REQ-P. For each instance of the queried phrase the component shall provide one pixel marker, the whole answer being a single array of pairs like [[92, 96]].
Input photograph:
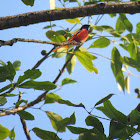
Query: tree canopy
[[81, 93]]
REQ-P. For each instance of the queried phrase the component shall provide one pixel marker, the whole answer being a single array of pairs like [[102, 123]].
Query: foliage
[[121, 126]]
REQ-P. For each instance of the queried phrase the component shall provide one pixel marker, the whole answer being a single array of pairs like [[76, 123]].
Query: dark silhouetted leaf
[[5, 88], [131, 62], [25, 115], [92, 121], [127, 24], [45, 135], [67, 102], [3, 100], [119, 130], [28, 2], [7, 72], [52, 98], [120, 26], [49, 26], [116, 66], [45, 85], [21, 101], [17, 64], [78, 130], [112, 113], [29, 74], [104, 99]]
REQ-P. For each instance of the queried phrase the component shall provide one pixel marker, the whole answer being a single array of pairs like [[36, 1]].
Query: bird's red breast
[[80, 36]]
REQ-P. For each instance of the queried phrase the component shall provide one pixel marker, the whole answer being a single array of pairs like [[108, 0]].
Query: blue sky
[[90, 87]]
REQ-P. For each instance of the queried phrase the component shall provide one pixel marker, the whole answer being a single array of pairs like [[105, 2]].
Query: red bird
[[80, 36]]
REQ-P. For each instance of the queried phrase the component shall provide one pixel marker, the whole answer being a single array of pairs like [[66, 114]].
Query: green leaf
[[89, 136], [3, 100], [72, 0], [8, 94], [52, 98], [104, 99], [120, 26], [134, 51], [60, 52], [68, 81], [112, 15], [49, 26], [86, 52], [5, 88], [110, 30], [67, 102], [112, 113], [92, 121], [138, 28], [45, 135], [127, 24], [100, 43], [119, 130], [4, 132], [54, 118], [66, 121], [12, 134], [29, 74], [85, 61], [45, 85], [2, 63], [134, 117], [131, 62], [21, 101], [133, 38], [7, 72], [16, 65], [116, 66], [55, 36], [58, 122], [78, 130], [28, 2], [25, 115], [72, 62], [75, 20]]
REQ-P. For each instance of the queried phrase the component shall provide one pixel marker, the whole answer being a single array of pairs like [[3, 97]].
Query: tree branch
[[26, 131], [67, 13], [14, 40]]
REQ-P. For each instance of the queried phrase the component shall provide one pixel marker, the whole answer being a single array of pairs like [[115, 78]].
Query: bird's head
[[86, 26]]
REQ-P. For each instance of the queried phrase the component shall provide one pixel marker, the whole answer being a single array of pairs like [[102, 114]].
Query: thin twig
[[14, 40], [26, 131], [41, 60], [62, 70], [25, 128]]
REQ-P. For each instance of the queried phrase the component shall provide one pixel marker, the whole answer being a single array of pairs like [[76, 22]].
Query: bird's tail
[[66, 46]]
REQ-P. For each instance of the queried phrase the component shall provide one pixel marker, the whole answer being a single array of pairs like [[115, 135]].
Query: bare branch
[[26, 131], [14, 40], [67, 13]]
